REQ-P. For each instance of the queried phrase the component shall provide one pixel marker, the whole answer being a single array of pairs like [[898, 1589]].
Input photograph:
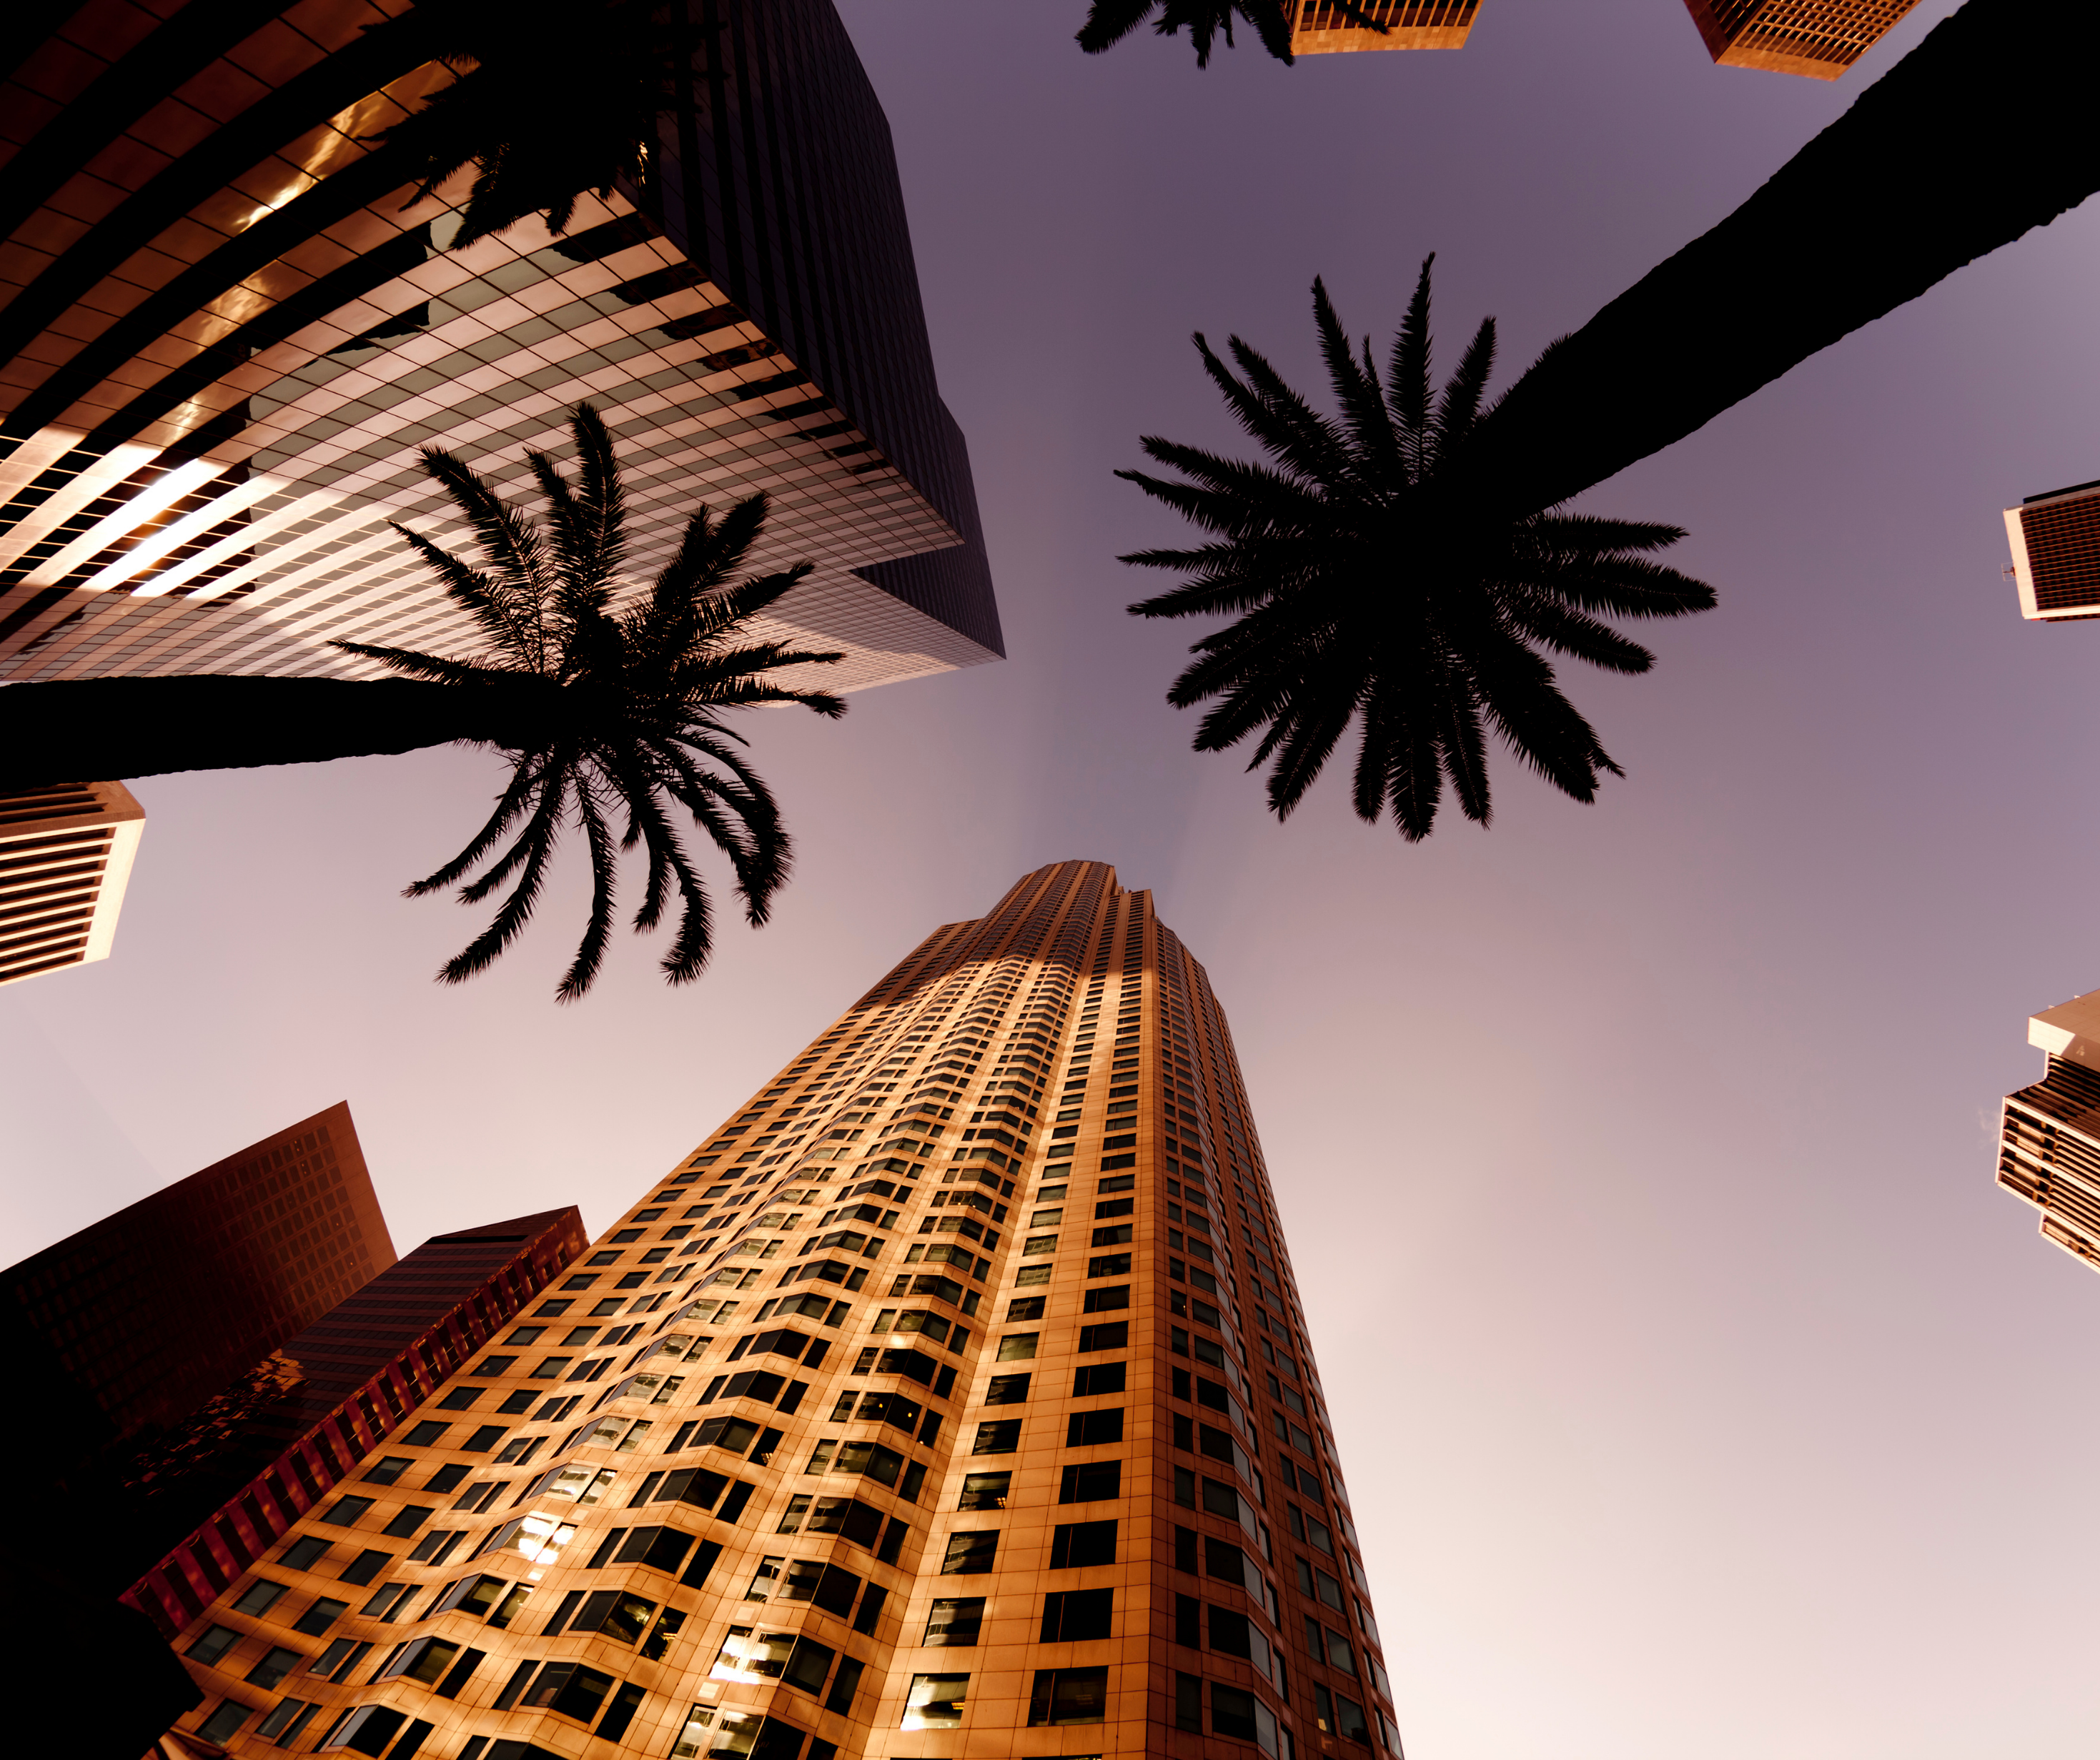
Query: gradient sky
[[1699, 1393]]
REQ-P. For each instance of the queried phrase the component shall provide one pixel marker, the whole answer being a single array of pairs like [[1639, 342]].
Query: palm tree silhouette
[[1371, 582]]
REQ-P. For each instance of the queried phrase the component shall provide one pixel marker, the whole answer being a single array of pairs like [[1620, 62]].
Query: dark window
[[550, 1368], [306, 1552], [1077, 1615], [1118, 1236], [1069, 1696], [408, 1521], [514, 1403], [424, 1435], [970, 1555], [621, 1236], [1110, 1265], [1075, 1545], [1025, 1308], [1113, 1334], [1188, 1701], [483, 1439], [347, 1512], [1093, 1429], [1091, 1380], [954, 1622], [1018, 1346], [984, 1490], [1007, 1390], [1188, 1622], [528, 1335], [1091, 1482], [568, 1688], [258, 1598], [1000, 1436], [494, 1365], [1220, 1499], [446, 1477], [1350, 1720], [1098, 1300], [366, 1566], [320, 1616], [1185, 1550], [389, 1467], [218, 1639], [1232, 1713], [220, 1726], [460, 1398]]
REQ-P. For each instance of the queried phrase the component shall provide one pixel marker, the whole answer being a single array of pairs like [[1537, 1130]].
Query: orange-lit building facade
[[1816, 39], [1320, 27], [2048, 1136], [65, 858], [952, 1398]]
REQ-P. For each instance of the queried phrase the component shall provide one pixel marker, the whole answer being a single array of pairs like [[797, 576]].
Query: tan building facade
[[1816, 39], [65, 859], [2055, 541], [952, 1398], [1320, 27], [2049, 1139]]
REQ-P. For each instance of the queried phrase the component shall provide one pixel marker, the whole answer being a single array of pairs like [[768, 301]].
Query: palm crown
[[1371, 580], [624, 707]]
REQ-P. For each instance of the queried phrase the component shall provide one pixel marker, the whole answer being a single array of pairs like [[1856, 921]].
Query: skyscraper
[[1320, 27], [952, 1397], [65, 858], [2055, 539], [231, 318], [2048, 1138], [1817, 38]]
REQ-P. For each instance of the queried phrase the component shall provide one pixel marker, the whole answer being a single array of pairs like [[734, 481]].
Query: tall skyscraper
[[2048, 1138], [952, 1397], [231, 320], [2055, 539], [1816, 39], [152, 1311], [65, 858], [1320, 27]]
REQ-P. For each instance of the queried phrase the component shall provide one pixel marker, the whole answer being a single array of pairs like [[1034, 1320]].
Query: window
[[1017, 1347], [1220, 1499], [1349, 1720], [259, 1597], [954, 1623], [528, 1335], [424, 1660], [385, 1470], [1077, 1615], [1118, 1236], [550, 1368], [1091, 1482], [569, 1689], [935, 1701], [283, 1725], [1007, 1389], [1025, 1308], [424, 1435], [1241, 1716], [346, 1512], [984, 1490], [1092, 1379], [970, 1555], [304, 1553], [1113, 1335], [483, 1439], [216, 1641], [1094, 1429], [446, 1477], [367, 1730], [1111, 1264], [1000, 1436], [1100, 1301], [460, 1398], [367, 1566], [220, 1726], [1188, 1701], [320, 1616], [493, 1366], [1069, 1696], [515, 1403], [1075, 1545]]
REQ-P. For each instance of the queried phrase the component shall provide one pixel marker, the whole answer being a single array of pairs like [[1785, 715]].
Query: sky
[[1698, 1391]]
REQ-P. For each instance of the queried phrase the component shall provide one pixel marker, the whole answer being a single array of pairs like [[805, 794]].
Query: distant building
[[2048, 1148], [151, 1312], [2055, 539], [1816, 39], [65, 857], [223, 1490], [1320, 27], [235, 321]]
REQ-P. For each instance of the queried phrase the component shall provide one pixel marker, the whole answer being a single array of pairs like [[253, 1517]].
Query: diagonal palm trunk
[[1983, 132], [66, 731]]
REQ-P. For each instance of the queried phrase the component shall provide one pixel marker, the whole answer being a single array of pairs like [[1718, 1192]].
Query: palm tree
[[602, 711], [1370, 583], [1109, 21]]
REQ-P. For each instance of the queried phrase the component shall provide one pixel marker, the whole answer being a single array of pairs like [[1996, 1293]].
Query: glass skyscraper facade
[[952, 1397]]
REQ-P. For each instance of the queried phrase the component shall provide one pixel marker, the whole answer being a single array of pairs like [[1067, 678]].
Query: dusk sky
[[1699, 1392]]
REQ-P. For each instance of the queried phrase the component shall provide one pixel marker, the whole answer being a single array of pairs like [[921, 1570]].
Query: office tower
[[220, 1490], [65, 858], [952, 1397], [1320, 27], [151, 1312], [2048, 1140], [1817, 38], [2055, 539], [230, 322]]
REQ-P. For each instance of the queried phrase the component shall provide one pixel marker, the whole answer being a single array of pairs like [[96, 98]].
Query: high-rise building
[[952, 1397], [2049, 1139], [151, 1312], [1817, 38], [65, 858], [231, 320], [220, 1490], [2055, 540], [1320, 27]]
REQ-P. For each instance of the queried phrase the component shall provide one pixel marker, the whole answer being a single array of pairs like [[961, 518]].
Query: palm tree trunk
[[92, 729], [1984, 131]]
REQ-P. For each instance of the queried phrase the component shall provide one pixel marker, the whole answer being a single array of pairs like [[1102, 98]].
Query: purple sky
[[1700, 1394]]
